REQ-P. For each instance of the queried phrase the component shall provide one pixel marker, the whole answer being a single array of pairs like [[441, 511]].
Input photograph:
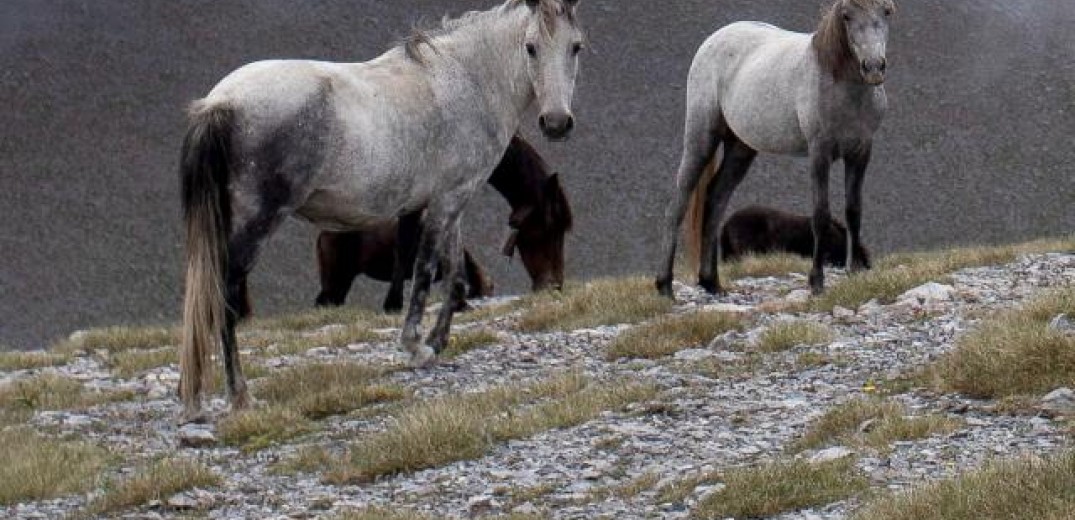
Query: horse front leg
[[854, 177], [425, 265], [407, 235], [820, 162], [454, 287]]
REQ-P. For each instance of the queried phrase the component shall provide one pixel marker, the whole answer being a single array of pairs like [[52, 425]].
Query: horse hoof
[[423, 356], [192, 416], [711, 287], [664, 287]]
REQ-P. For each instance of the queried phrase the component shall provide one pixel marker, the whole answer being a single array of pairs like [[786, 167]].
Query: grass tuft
[[306, 460], [462, 342], [461, 427], [158, 481], [761, 266], [787, 334], [1022, 488], [320, 390], [604, 301], [840, 425], [31, 360], [1013, 353], [670, 334], [118, 339], [262, 427], [37, 467], [324, 316], [18, 399], [129, 363], [777, 487]]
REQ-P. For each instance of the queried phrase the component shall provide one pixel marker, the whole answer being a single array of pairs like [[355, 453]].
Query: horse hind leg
[[733, 168], [243, 248], [820, 163], [408, 231], [454, 288], [699, 147]]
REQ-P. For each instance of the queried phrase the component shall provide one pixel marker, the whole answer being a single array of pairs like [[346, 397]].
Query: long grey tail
[[204, 173]]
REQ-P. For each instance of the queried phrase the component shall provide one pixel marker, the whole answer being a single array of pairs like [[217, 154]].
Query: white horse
[[755, 87], [347, 145]]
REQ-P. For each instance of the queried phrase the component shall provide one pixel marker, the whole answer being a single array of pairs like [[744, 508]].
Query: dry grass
[[262, 427], [899, 273], [335, 336], [51, 392], [307, 459], [625, 490], [761, 266], [787, 334], [1023, 488], [31, 360], [321, 317], [158, 481], [670, 334], [395, 513], [1014, 352], [490, 312], [840, 425], [118, 339], [461, 427], [319, 390], [462, 342], [773, 488], [604, 301], [129, 363], [37, 468], [679, 490]]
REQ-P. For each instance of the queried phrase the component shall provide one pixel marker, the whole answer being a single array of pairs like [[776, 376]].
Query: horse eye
[[531, 50], [888, 12], [847, 17], [576, 48]]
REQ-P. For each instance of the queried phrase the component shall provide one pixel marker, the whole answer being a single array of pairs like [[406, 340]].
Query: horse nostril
[[542, 123], [884, 64], [570, 122]]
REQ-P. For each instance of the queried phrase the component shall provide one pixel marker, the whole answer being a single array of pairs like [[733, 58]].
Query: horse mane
[[412, 44], [830, 40]]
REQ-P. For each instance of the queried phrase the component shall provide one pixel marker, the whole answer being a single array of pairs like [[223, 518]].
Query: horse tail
[[204, 170], [696, 215]]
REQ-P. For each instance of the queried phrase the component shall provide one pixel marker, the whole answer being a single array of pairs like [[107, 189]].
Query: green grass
[[37, 467], [118, 339], [670, 334], [1042, 489], [320, 390], [1013, 353], [896, 274], [840, 425], [604, 301], [773, 488], [31, 360], [461, 427], [157, 481], [787, 334]]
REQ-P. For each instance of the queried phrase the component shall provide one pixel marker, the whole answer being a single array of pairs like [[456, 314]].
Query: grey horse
[[756, 88], [349, 145]]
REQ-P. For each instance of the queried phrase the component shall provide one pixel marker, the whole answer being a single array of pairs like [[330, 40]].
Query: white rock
[[729, 307], [195, 436], [694, 354], [831, 454], [1060, 401], [928, 294], [1062, 323], [842, 313]]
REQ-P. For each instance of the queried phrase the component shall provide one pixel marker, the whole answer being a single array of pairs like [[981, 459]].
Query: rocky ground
[[720, 405]]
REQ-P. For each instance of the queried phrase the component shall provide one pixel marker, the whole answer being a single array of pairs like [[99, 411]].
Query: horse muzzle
[[556, 126], [873, 70]]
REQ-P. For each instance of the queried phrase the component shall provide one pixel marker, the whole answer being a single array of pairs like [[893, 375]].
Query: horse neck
[[491, 50]]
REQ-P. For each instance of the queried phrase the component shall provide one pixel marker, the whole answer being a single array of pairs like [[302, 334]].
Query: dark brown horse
[[758, 229], [540, 217]]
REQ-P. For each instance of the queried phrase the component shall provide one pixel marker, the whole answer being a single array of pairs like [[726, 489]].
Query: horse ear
[[552, 184], [515, 221], [533, 3]]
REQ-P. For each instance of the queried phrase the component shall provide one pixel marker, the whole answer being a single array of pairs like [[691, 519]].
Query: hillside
[[604, 401], [975, 150]]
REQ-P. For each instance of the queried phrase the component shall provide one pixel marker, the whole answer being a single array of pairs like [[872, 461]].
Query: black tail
[[204, 170]]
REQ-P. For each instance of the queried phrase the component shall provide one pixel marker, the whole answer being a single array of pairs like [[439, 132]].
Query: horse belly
[[332, 211], [765, 120]]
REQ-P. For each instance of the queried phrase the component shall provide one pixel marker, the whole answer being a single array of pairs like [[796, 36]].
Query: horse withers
[[540, 218], [761, 230], [752, 88], [347, 145]]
